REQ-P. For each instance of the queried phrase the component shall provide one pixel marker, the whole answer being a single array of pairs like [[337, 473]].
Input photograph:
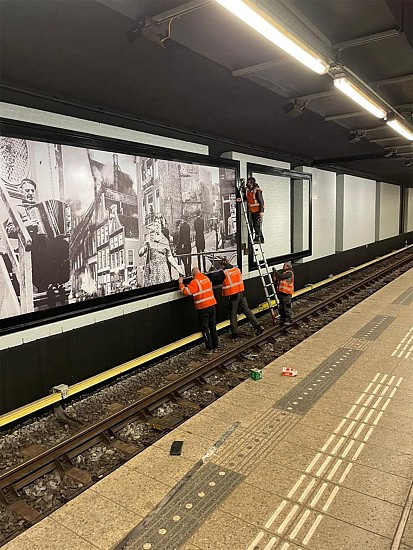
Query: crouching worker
[[233, 288], [200, 288], [284, 286]]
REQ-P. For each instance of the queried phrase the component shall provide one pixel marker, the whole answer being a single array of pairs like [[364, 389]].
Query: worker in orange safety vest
[[256, 207], [200, 288], [233, 288], [284, 286]]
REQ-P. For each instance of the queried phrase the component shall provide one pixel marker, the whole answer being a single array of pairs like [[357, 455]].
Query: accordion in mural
[[52, 217]]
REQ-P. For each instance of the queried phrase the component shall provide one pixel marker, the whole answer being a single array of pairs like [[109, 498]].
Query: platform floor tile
[[49, 534], [156, 463], [224, 531], [390, 487], [372, 514], [131, 489], [333, 534], [96, 518]]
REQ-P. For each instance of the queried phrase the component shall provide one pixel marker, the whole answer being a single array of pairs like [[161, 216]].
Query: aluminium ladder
[[261, 261]]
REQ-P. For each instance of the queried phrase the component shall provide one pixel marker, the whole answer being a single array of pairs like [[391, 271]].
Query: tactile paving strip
[[405, 298], [186, 511], [263, 435], [393, 310], [373, 329], [355, 343], [303, 396]]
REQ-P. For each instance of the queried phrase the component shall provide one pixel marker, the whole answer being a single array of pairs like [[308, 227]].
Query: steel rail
[[26, 472]]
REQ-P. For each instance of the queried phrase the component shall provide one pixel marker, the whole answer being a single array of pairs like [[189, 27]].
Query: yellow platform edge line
[[48, 400]]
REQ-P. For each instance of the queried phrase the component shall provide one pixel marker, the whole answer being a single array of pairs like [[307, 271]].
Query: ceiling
[[215, 76]]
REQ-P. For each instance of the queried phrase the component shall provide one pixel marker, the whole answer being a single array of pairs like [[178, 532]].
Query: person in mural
[[50, 257], [184, 245], [221, 233], [158, 253], [232, 229], [199, 229]]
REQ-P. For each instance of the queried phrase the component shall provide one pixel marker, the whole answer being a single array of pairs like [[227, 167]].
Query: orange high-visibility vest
[[286, 285], [200, 288], [253, 204], [233, 282]]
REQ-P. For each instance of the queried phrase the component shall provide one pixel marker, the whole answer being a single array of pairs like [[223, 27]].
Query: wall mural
[[77, 223]]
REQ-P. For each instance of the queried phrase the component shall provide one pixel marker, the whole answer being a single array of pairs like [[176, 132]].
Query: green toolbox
[[256, 374]]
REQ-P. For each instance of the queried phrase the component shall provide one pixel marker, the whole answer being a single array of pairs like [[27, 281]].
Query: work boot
[[207, 352], [259, 330]]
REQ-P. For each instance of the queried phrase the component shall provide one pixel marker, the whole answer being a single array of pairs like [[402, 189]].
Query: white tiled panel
[[277, 218], [324, 212], [388, 210], [356, 212], [409, 209]]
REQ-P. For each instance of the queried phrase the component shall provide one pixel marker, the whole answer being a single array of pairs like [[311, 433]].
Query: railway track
[[220, 369]]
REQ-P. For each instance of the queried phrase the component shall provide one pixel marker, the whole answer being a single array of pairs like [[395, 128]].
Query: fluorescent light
[[359, 97], [275, 34], [405, 132]]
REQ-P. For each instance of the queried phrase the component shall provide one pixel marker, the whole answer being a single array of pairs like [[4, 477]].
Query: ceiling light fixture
[[400, 128], [357, 95], [275, 33]]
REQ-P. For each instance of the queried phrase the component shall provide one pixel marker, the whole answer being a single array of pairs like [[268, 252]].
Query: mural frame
[[59, 136]]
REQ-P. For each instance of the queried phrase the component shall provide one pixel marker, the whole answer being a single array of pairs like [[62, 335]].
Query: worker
[[233, 288], [284, 286], [256, 206], [200, 288]]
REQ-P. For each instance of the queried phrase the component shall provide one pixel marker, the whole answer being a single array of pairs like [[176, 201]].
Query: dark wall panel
[[22, 377], [58, 355]]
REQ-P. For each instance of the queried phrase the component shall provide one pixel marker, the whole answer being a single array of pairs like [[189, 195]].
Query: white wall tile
[[387, 210], [324, 212], [356, 211]]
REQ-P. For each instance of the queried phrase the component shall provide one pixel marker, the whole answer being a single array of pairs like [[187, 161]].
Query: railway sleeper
[[11, 498], [177, 398], [166, 423], [219, 390], [24, 510]]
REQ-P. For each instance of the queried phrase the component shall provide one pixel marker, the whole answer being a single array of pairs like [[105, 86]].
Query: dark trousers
[[285, 307], [203, 267], [187, 261], [239, 301], [207, 322], [256, 226]]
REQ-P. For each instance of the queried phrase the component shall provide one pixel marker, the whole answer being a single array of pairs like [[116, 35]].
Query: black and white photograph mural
[[77, 223]]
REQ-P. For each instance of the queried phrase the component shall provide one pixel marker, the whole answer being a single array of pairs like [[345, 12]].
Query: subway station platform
[[323, 460]]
